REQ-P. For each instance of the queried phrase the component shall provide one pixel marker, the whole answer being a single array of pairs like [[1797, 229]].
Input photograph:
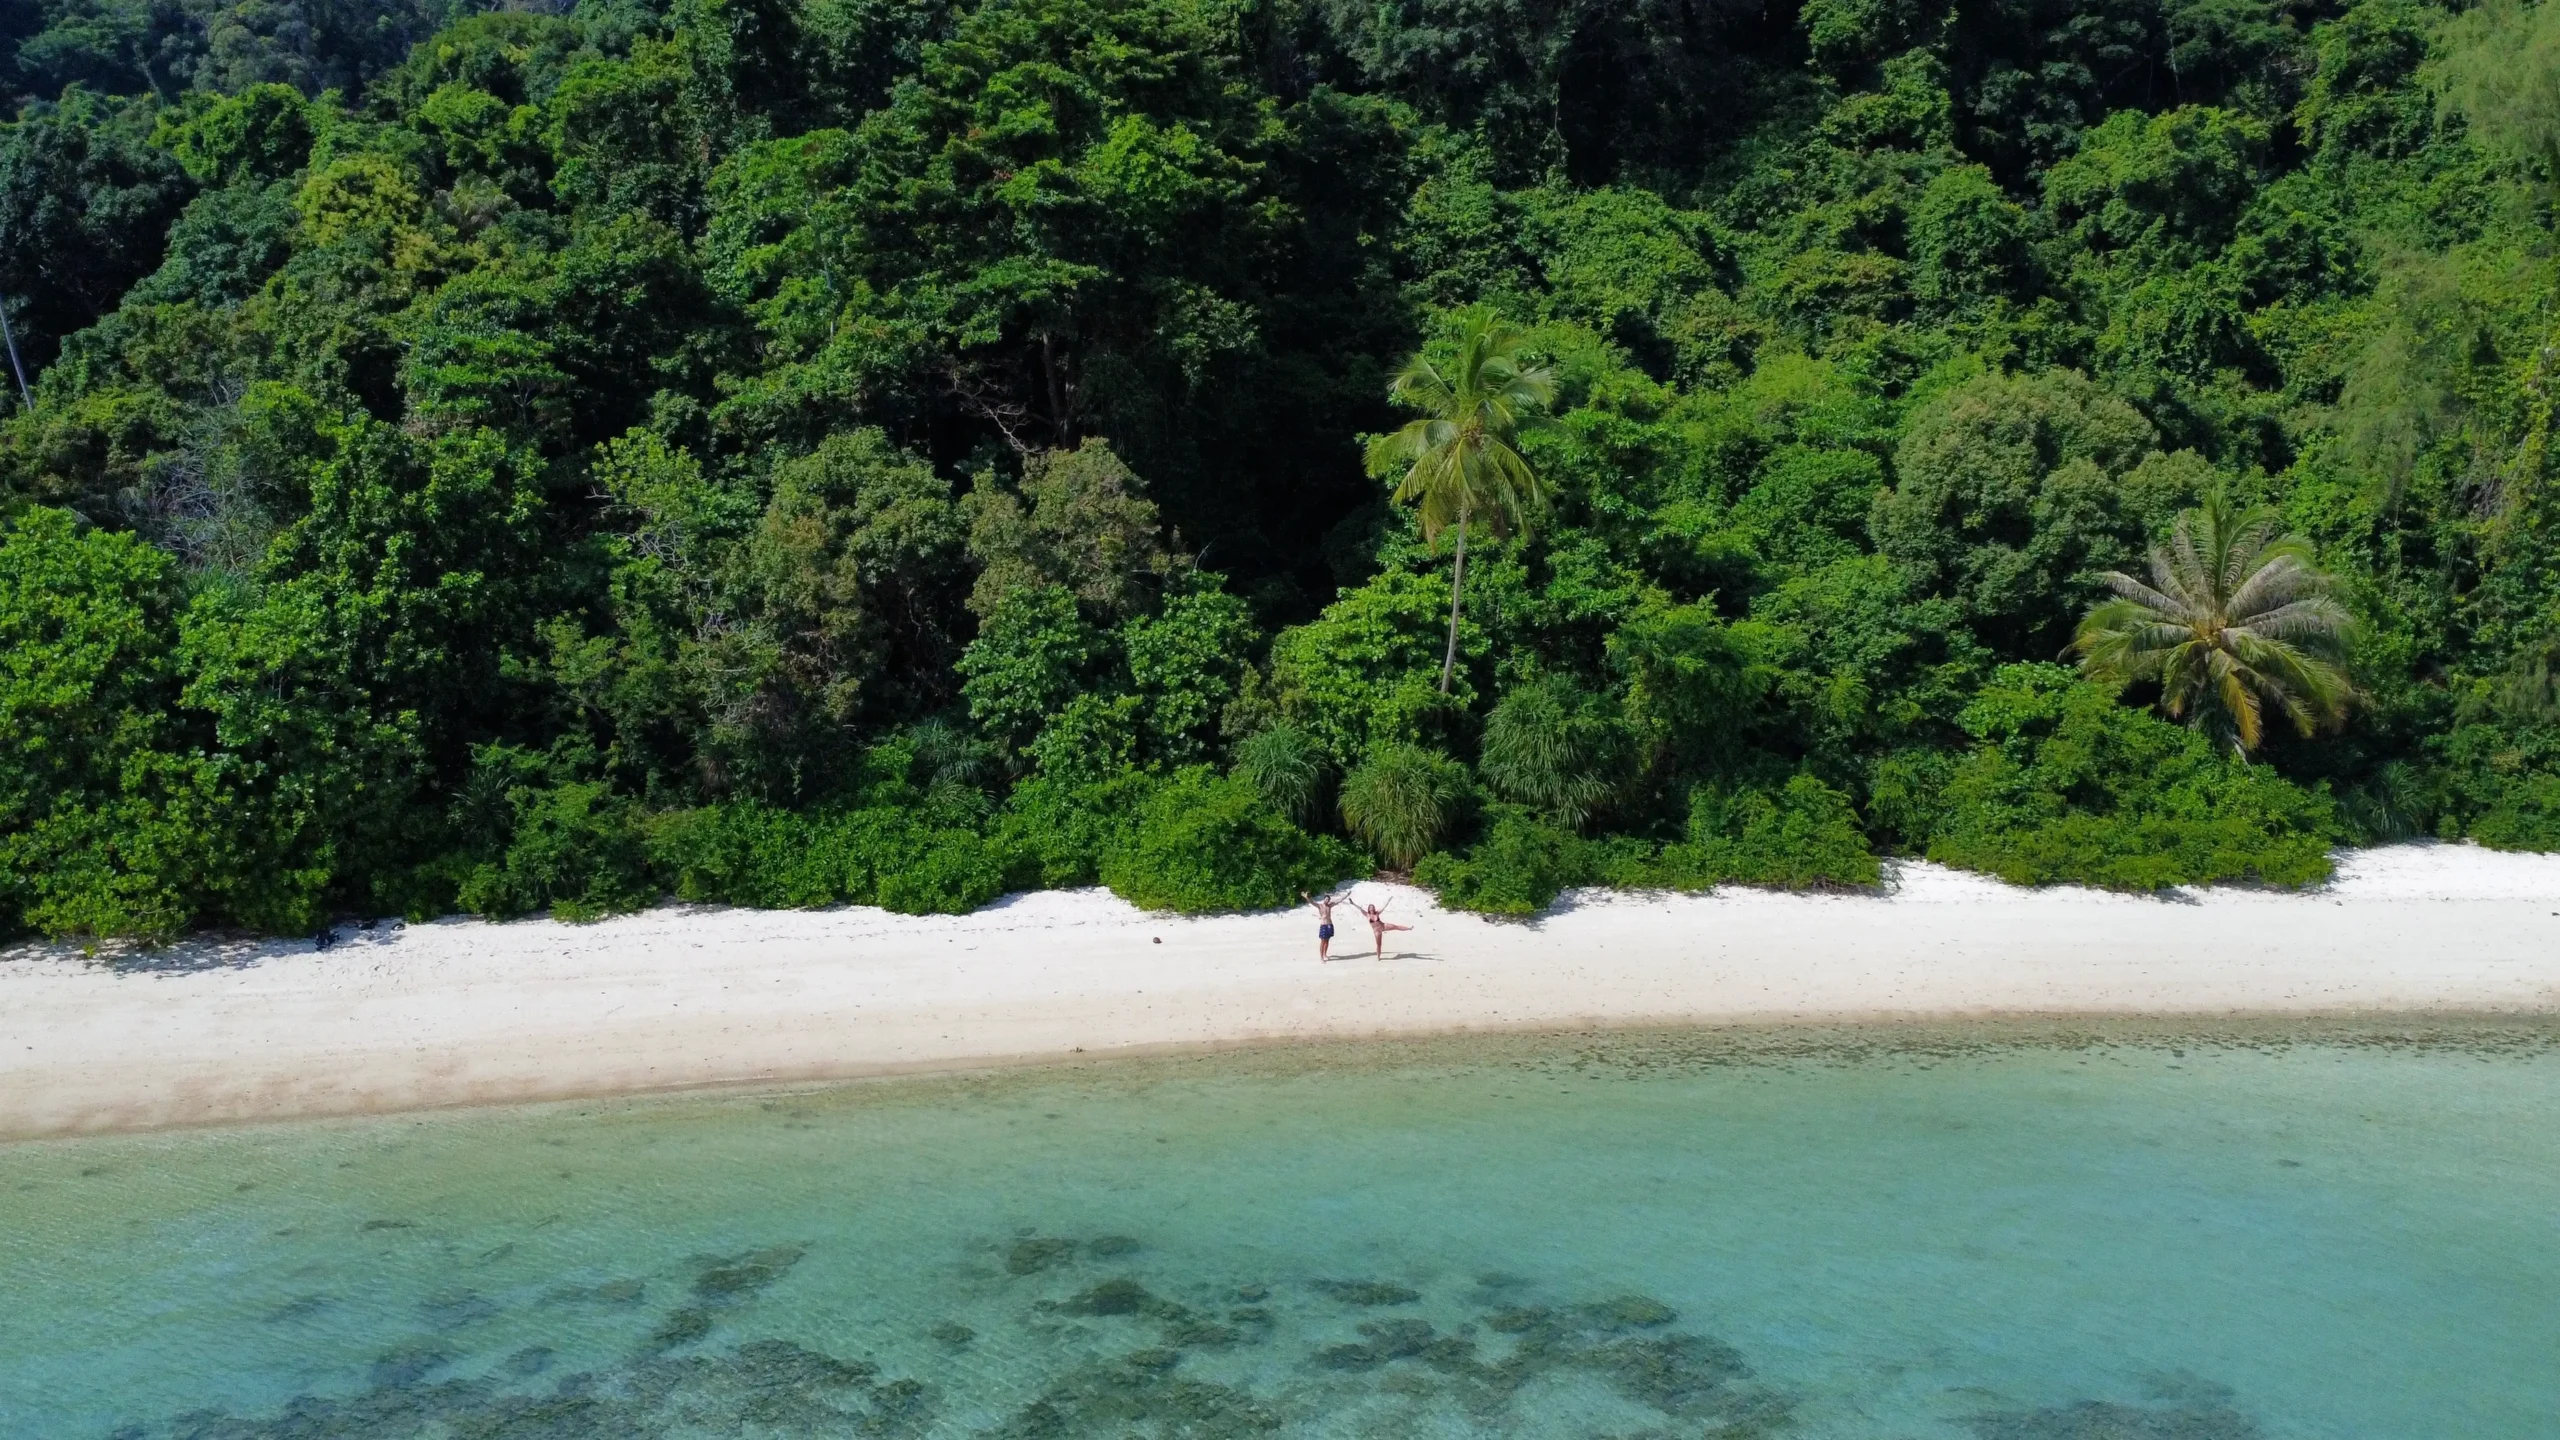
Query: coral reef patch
[[1074, 1338]]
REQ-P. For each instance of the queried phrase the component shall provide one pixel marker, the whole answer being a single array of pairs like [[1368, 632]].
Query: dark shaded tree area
[[796, 452]]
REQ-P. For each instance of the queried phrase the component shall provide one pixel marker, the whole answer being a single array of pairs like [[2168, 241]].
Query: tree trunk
[[1059, 425], [1457, 579]]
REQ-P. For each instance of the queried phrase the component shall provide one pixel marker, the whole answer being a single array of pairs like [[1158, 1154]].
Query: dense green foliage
[[2069, 785], [1204, 842], [780, 452]]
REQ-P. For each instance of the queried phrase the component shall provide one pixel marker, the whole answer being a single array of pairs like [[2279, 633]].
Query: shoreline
[[464, 1012]]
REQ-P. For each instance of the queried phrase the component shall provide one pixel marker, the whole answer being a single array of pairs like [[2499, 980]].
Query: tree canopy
[[566, 454]]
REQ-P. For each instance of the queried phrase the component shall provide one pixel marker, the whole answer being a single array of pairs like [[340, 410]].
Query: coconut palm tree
[[2235, 622], [1458, 461]]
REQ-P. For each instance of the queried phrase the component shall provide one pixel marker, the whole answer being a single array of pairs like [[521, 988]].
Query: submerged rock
[[681, 1327], [1368, 1292], [771, 1389], [1380, 1341], [1494, 1374], [405, 1365], [1140, 1396], [730, 1279], [1675, 1374], [1122, 1296], [1627, 1312], [301, 1307], [2101, 1420], [454, 1311], [1033, 1254]]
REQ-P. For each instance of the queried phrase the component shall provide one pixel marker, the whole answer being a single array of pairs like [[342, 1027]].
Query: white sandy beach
[[467, 1012]]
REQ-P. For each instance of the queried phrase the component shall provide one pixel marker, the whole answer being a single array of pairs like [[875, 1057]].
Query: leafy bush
[[2525, 816], [1518, 868], [1905, 793], [2491, 779], [1401, 800], [1690, 677], [898, 859], [937, 872], [2069, 786], [1089, 740], [1204, 843], [1054, 833], [577, 849], [1802, 835], [1034, 654], [1552, 745], [748, 854], [1285, 767], [1187, 662], [1367, 671], [114, 818]]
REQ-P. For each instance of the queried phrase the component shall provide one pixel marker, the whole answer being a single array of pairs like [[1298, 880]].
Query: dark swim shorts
[[1324, 932]]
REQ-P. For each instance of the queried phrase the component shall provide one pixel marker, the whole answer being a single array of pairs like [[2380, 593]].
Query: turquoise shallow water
[[1994, 1235]]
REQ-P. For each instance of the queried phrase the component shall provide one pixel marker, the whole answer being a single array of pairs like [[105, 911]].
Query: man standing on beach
[[1324, 923], [1379, 924]]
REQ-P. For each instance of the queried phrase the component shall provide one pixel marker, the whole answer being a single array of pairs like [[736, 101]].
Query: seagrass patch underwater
[[2236, 1233]]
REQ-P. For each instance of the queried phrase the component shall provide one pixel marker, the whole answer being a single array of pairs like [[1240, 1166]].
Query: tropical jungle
[[900, 452]]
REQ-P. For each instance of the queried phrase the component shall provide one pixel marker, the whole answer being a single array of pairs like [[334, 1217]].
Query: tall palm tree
[[2234, 623], [1457, 459]]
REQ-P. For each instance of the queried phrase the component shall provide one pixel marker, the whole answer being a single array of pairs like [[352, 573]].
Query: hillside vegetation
[[794, 452]]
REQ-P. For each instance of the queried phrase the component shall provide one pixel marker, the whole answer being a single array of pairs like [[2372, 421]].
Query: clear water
[[1871, 1234]]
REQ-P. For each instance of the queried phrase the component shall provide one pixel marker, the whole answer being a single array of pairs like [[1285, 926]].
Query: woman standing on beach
[[1379, 924]]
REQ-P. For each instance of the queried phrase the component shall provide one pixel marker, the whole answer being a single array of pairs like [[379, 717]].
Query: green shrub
[[937, 872], [755, 855], [1092, 739], [1033, 656], [1366, 672], [1052, 833], [116, 815], [1401, 800], [2491, 778], [749, 854], [1552, 745], [1204, 843], [2069, 786], [1802, 835], [578, 850], [1518, 868], [1286, 766], [2525, 816], [1188, 662], [1905, 795]]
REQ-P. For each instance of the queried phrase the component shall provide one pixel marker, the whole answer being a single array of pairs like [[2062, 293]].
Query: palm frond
[[2317, 621], [2281, 582], [1458, 462], [2235, 622], [2149, 597]]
